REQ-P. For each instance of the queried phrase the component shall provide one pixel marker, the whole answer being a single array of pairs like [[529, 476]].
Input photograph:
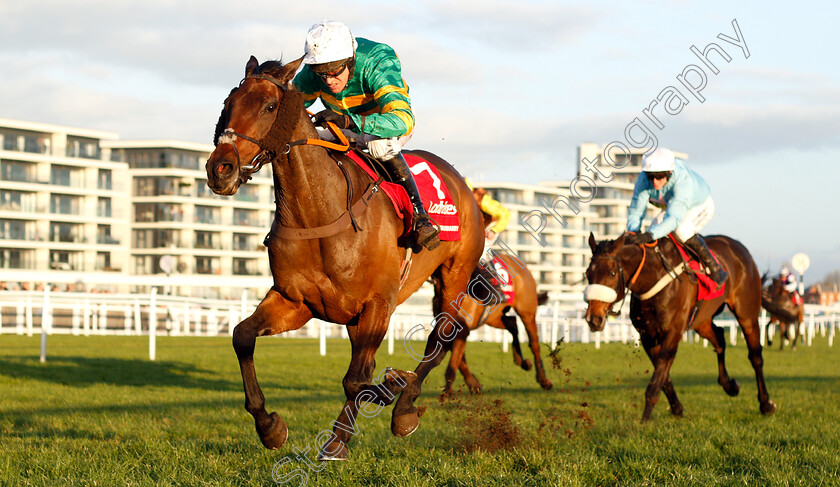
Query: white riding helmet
[[328, 41], [660, 160], [785, 271]]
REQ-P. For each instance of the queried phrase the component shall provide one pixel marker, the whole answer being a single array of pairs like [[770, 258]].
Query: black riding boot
[[426, 232], [716, 272]]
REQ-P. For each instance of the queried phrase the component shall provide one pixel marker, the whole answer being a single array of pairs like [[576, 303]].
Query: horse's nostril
[[224, 168]]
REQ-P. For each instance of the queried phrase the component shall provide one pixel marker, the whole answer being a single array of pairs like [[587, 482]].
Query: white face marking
[[227, 137]]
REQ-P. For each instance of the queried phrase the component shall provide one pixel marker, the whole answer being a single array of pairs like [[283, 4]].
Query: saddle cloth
[[706, 287], [504, 280], [433, 191]]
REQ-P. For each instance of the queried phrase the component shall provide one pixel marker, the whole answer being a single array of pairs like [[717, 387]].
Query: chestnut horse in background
[[779, 303], [663, 317], [494, 313], [334, 253]]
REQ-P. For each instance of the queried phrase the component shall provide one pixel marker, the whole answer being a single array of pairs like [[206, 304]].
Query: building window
[[104, 180], [103, 207], [16, 171], [17, 259], [205, 240], [206, 265], [14, 230], [63, 204], [207, 214]]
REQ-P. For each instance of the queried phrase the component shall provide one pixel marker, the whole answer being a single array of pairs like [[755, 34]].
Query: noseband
[[595, 291]]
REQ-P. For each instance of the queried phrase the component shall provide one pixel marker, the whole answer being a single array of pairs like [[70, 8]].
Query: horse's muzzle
[[222, 174], [596, 314]]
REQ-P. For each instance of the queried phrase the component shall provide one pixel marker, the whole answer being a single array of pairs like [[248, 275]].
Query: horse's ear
[[290, 69], [251, 65], [592, 242]]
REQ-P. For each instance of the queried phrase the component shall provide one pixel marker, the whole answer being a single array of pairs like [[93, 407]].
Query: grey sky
[[504, 90]]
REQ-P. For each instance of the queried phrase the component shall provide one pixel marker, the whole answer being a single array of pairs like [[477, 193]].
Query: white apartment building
[[555, 251], [205, 244], [63, 204]]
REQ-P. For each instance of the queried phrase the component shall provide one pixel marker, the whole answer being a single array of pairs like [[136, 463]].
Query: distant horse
[[495, 314], [333, 251], [776, 300], [662, 317]]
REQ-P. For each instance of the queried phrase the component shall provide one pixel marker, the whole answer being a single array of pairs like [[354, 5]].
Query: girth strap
[[333, 228], [664, 281]]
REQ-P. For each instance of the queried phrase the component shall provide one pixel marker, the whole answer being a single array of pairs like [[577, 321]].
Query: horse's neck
[[310, 189]]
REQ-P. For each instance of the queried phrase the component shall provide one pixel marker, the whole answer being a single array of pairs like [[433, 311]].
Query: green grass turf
[[100, 413]]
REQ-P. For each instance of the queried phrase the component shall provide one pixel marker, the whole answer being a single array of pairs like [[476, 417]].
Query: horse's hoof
[[677, 411], [475, 388], [768, 408], [333, 451], [276, 434], [546, 384], [526, 365], [405, 424], [734, 388]]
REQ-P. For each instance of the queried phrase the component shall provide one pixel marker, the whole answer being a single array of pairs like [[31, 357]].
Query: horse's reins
[[267, 155]]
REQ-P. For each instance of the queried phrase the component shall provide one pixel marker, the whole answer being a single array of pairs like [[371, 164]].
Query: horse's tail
[[542, 297], [779, 309]]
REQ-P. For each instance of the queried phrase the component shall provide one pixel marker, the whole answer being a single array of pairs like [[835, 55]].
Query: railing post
[[152, 323], [322, 337], [46, 322]]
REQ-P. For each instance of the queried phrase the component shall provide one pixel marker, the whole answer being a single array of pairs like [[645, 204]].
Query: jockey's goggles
[[658, 175], [329, 70]]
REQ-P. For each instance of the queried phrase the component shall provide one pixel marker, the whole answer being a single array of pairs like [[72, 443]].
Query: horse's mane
[[269, 68]]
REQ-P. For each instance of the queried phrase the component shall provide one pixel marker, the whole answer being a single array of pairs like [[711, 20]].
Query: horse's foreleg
[[662, 357], [652, 348], [749, 326], [530, 322], [366, 334], [714, 334], [273, 315]]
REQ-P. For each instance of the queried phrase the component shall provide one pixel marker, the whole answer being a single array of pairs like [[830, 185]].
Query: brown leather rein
[[267, 155]]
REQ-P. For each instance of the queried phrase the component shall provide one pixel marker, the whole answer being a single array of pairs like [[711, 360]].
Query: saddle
[[706, 288]]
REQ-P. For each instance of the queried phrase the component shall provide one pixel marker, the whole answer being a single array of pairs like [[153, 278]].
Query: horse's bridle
[[265, 155], [600, 290]]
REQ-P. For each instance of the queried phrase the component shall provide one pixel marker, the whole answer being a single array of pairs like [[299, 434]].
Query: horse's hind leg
[[366, 335], [450, 291], [273, 315], [529, 319], [457, 362], [509, 322], [714, 334]]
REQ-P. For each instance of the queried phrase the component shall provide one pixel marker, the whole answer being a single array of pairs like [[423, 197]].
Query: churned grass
[[100, 413]]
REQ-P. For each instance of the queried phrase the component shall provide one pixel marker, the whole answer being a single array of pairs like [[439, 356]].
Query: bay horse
[[495, 314], [335, 249], [779, 303], [662, 317]]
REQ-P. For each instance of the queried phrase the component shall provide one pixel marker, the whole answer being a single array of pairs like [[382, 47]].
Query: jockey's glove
[[341, 120], [638, 238]]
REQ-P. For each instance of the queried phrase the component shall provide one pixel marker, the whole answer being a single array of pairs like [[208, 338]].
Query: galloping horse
[[525, 302], [334, 253], [776, 300], [662, 317]]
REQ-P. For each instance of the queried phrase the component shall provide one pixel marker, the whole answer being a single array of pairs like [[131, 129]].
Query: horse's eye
[[271, 107], [613, 273]]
